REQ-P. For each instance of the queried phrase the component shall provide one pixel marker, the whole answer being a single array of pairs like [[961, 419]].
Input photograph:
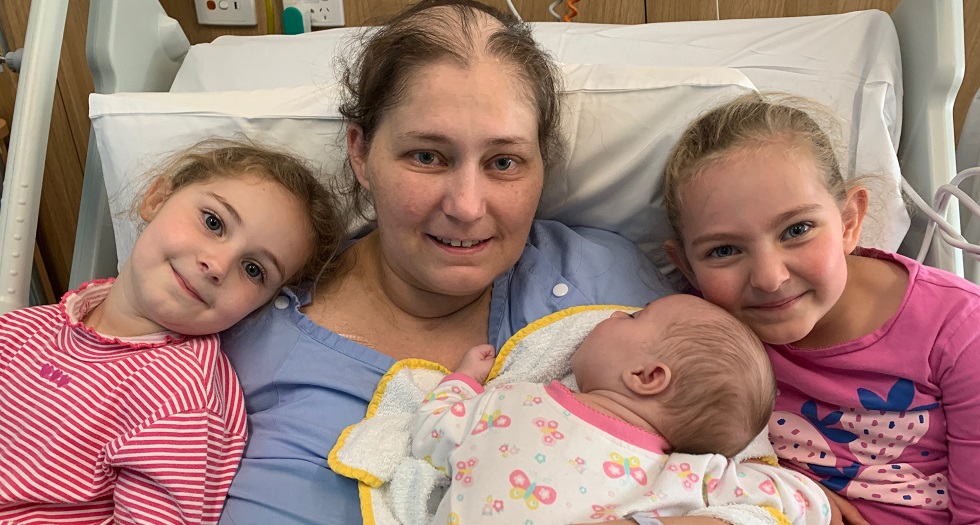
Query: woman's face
[[455, 173]]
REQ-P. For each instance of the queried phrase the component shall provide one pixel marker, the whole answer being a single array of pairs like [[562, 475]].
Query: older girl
[[876, 355]]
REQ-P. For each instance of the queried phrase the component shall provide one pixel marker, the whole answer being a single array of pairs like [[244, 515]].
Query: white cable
[[551, 9], [947, 233], [513, 10], [936, 214], [717, 11]]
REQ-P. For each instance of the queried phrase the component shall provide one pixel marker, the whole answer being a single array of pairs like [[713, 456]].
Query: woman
[[453, 121]]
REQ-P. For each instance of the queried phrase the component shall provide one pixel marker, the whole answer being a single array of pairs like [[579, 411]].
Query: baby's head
[[699, 375], [229, 222]]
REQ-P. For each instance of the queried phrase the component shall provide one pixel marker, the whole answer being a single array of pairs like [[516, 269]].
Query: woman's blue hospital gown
[[305, 384]]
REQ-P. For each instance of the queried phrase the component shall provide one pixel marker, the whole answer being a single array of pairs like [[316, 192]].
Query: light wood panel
[[971, 75], [74, 78], [8, 79], [784, 8], [373, 12], [183, 12], [680, 10]]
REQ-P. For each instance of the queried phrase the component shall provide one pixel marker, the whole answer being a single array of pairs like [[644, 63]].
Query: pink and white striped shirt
[[96, 429]]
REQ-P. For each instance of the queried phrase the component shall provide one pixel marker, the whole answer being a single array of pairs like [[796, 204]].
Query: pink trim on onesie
[[473, 383], [616, 428]]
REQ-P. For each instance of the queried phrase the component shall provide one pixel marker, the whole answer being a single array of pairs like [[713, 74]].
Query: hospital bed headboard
[[122, 58], [134, 46], [932, 70]]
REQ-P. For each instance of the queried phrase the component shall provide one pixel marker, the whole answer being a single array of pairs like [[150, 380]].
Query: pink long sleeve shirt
[[104, 430], [892, 420]]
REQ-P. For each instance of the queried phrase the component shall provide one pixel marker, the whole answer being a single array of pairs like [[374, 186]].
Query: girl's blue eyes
[[722, 251], [212, 222], [793, 232], [253, 270], [797, 230]]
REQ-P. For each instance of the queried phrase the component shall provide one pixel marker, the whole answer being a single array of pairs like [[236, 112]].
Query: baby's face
[[620, 342]]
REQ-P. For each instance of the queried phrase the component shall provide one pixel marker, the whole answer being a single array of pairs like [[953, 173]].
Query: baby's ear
[[677, 256], [648, 379], [154, 198]]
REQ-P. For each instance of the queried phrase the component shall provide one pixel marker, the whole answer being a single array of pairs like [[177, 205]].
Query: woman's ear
[[648, 378], [852, 216], [677, 256], [357, 150], [156, 195]]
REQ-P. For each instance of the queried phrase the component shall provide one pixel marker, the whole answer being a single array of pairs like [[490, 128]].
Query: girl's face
[[455, 173], [213, 252], [765, 240]]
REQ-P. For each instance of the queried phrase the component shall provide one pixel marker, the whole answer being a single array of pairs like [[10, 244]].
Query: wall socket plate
[[322, 13], [226, 12]]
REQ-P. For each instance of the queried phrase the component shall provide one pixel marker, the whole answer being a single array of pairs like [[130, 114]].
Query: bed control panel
[[226, 12]]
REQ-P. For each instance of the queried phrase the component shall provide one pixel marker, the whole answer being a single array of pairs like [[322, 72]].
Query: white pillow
[[851, 62], [621, 122]]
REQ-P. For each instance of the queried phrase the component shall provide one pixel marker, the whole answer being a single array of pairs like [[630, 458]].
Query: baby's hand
[[477, 362]]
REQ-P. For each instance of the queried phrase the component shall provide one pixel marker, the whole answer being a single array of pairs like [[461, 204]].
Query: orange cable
[[572, 10]]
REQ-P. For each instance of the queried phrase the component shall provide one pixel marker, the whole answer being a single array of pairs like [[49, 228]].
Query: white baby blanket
[[397, 489]]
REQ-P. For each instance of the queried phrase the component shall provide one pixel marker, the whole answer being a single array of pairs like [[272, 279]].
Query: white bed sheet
[[851, 62]]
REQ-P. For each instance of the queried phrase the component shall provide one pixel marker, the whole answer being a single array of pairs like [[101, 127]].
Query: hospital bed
[[630, 89]]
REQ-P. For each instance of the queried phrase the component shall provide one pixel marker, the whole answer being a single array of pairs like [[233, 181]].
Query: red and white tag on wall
[[226, 12]]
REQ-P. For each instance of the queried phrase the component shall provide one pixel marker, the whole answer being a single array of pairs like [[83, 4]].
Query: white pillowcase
[[851, 62], [621, 122]]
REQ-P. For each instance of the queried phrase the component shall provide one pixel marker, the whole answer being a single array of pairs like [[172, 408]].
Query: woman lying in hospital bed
[[453, 159]]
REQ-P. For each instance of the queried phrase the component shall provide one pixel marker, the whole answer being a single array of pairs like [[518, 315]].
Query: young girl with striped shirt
[[117, 405]]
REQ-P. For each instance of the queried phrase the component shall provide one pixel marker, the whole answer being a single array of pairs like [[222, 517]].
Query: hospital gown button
[[560, 290], [281, 302]]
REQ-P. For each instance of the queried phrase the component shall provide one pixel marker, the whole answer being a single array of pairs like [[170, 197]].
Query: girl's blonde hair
[[216, 158], [754, 121]]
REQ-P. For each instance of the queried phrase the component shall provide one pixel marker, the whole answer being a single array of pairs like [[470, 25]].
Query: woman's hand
[[477, 362], [842, 512]]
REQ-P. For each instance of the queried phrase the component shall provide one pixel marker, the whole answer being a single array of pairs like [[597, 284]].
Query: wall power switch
[[226, 12], [322, 13]]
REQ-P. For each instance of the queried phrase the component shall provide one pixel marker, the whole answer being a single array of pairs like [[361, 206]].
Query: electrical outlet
[[322, 13], [226, 12], [327, 13]]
